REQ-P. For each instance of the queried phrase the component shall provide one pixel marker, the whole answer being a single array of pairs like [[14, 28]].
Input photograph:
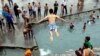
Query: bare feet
[[57, 34], [51, 38]]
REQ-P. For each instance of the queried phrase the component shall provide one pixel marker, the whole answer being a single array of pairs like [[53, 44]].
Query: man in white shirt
[[34, 8], [52, 24], [65, 5]]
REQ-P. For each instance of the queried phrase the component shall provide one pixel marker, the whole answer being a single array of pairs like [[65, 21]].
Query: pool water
[[65, 44], [68, 40]]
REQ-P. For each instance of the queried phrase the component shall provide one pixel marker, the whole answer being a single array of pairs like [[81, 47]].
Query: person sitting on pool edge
[[87, 51], [88, 43], [52, 25], [87, 47]]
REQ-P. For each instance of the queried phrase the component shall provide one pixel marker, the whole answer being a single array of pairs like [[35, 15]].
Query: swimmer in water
[[71, 26], [98, 17], [84, 27], [88, 22], [52, 25]]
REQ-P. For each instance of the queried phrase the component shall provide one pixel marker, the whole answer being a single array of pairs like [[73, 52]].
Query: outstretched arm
[[42, 19], [61, 19]]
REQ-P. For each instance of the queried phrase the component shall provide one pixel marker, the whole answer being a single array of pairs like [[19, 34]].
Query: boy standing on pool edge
[[52, 25]]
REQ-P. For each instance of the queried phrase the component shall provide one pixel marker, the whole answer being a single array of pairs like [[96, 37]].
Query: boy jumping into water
[[52, 25]]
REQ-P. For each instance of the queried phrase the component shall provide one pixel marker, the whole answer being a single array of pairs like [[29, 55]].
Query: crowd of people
[[33, 9]]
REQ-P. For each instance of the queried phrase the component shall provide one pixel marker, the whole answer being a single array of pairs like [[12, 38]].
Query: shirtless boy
[[52, 25]]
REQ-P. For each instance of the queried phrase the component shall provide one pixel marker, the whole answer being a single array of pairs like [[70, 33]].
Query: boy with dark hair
[[86, 44], [71, 26], [98, 17], [52, 25], [87, 41]]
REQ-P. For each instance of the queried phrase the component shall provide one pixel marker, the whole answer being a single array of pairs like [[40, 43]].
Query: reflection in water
[[70, 30]]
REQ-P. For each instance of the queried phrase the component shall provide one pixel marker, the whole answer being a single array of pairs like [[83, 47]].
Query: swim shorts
[[52, 26]]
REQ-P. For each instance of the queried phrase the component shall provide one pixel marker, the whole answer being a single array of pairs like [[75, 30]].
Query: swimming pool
[[68, 40], [65, 45]]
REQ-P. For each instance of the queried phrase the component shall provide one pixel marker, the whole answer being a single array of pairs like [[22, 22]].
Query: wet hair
[[51, 11], [71, 5], [97, 16], [93, 18], [93, 11], [84, 23], [87, 21], [46, 4], [87, 38], [71, 26]]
